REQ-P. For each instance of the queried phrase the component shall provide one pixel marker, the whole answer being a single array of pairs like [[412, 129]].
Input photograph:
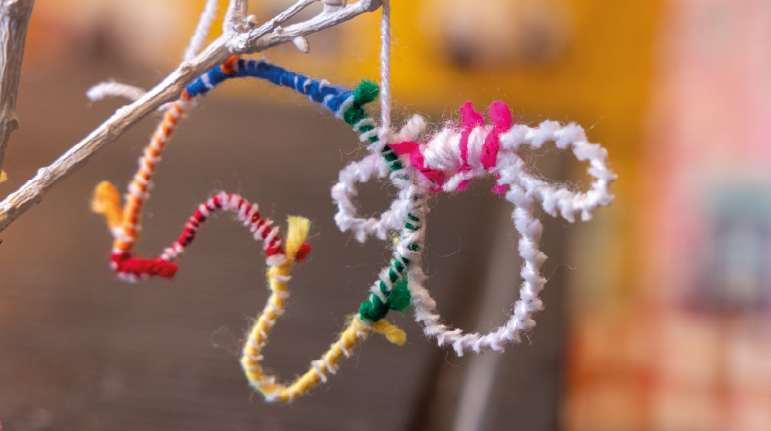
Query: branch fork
[[241, 35]]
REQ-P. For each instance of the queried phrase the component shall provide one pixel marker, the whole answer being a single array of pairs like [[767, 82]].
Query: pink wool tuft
[[502, 120], [462, 185], [471, 119], [499, 189], [501, 115], [417, 160]]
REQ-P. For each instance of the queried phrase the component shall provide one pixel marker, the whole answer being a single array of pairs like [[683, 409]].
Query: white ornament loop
[[347, 217], [344, 191], [442, 155], [557, 200], [533, 282]]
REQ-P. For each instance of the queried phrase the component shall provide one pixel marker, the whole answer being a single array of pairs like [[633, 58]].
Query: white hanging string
[[385, 73]]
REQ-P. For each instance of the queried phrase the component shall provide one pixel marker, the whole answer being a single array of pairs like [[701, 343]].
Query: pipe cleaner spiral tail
[[391, 292], [126, 232], [138, 190], [130, 268], [278, 277], [346, 104], [355, 332]]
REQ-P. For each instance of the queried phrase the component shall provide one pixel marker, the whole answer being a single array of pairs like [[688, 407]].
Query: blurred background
[[656, 310]]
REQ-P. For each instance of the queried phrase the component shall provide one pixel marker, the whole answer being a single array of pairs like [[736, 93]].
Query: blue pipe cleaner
[[330, 96]]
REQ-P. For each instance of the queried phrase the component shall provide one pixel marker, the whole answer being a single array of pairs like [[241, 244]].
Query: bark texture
[[14, 20], [266, 36]]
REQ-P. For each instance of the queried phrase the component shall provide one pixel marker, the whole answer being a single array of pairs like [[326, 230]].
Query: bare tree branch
[[271, 33], [266, 36], [235, 17], [14, 20]]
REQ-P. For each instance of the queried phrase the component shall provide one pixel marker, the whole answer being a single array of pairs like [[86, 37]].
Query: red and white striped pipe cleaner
[[132, 269], [127, 233]]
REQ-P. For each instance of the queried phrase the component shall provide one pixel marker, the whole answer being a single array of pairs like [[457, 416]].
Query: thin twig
[[14, 20], [235, 17], [260, 39], [279, 19]]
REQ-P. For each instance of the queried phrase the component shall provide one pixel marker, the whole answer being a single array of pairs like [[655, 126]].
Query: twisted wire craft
[[125, 223], [131, 269], [446, 161]]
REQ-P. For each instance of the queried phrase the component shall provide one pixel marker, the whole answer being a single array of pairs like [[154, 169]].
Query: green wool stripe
[[398, 295], [397, 299], [399, 266], [392, 275], [373, 309], [365, 92], [390, 157]]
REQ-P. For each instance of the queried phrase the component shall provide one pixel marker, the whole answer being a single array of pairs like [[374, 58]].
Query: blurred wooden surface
[[80, 350]]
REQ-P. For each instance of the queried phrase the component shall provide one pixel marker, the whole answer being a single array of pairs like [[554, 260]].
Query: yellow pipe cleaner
[[107, 202], [355, 332]]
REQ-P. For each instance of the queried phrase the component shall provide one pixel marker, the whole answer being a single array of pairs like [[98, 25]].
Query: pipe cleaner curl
[[124, 224], [129, 268], [457, 154], [446, 161]]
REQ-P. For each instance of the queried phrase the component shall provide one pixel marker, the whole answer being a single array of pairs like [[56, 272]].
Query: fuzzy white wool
[[412, 129], [442, 153], [104, 90]]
